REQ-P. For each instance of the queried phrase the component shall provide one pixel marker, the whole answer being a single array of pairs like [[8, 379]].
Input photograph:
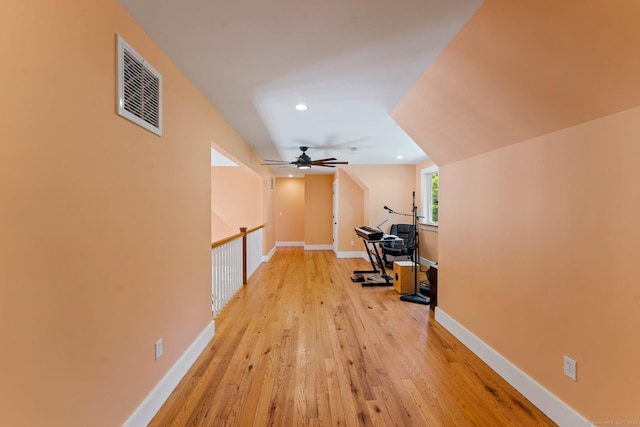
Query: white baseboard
[[427, 262], [355, 254], [145, 412], [280, 244], [423, 261], [318, 247], [267, 258], [554, 408]]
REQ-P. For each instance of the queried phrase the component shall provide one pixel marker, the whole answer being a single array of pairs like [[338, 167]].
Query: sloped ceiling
[[350, 61], [521, 69]]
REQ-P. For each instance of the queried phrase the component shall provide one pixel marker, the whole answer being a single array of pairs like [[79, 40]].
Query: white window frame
[[427, 196]]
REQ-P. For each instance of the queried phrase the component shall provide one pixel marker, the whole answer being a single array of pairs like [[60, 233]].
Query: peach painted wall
[[105, 229], [269, 231], [289, 209], [318, 210], [387, 185], [351, 212], [522, 69], [429, 245], [539, 245], [231, 144], [236, 200], [246, 158], [428, 238]]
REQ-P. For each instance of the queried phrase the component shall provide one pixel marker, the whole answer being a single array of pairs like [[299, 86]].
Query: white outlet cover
[[158, 349], [570, 368]]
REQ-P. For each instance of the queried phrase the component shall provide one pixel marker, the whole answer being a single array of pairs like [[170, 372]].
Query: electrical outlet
[[570, 368], [353, 243], [158, 349]]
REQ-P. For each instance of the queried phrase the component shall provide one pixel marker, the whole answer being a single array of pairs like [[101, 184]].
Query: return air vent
[[139, 89]]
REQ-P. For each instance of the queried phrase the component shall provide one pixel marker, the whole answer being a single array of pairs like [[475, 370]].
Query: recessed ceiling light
[[290, 176], [399, 156], [301, 107]]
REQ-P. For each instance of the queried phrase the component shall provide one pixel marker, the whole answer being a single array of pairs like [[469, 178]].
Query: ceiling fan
[[303, 161]]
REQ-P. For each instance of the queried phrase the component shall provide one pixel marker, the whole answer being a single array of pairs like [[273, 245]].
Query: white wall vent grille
[[139, 89]]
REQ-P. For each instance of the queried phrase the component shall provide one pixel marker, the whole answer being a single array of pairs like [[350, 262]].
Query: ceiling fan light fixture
[[399, 156], [303, 161], [301, 107]]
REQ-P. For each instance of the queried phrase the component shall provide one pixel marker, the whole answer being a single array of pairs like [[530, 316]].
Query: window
[[430, 195]]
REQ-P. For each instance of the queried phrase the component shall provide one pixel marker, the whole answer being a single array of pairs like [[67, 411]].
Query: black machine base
[[378, 280], [358, 277], [416, 298]]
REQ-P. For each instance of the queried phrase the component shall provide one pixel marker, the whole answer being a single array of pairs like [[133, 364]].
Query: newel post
[[243, 230]]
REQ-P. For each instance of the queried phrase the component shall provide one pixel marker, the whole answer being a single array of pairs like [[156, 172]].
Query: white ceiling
[[220, 160], [350, 61]]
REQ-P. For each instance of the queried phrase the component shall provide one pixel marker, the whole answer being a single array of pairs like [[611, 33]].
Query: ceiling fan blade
[[324, 165], [325, 160], [330, 163], [276, 163]]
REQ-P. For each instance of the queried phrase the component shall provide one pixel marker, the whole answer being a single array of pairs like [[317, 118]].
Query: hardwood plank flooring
[[302, 345]]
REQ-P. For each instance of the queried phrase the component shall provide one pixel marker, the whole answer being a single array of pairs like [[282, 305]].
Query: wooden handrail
[[226, 240], [251, 230], [243, 234], [235, 236]]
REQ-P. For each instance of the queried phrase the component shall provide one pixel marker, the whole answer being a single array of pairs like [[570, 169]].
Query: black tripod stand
[[416, 296]]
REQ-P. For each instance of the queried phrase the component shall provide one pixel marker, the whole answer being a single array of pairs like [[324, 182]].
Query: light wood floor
[[303, 345]]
